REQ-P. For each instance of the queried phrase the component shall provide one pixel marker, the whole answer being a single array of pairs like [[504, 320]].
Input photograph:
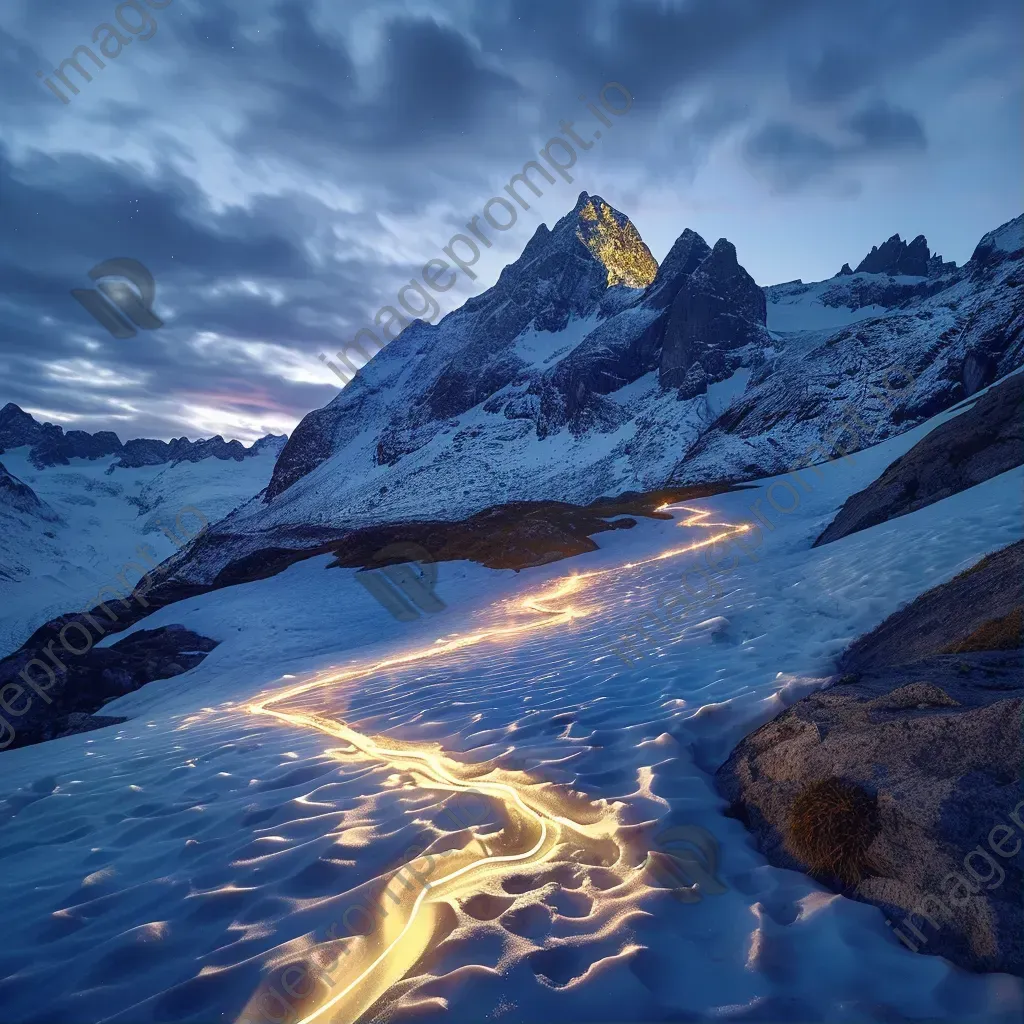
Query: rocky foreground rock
[[925, 722], [47, 690]]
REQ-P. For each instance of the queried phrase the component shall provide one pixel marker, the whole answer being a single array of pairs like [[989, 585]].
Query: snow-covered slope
[[87, 523], [179, 861], [939, 340]]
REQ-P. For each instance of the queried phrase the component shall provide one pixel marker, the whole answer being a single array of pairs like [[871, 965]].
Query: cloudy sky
[[284, 166]]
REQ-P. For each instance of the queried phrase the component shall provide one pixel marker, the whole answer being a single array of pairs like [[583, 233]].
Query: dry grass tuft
[[831, 825]]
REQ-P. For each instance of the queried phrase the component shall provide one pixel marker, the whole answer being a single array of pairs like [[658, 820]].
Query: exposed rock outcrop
[[982, 442], [688, 252], [928, 724], [67, 688]]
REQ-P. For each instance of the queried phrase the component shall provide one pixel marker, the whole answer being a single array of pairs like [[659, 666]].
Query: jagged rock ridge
[[52, 446], [896, 257]]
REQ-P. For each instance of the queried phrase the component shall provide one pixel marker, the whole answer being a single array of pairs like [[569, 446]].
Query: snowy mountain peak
[[553, 385]]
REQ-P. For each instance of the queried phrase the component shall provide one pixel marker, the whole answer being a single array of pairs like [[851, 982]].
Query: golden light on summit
[[618, 247]]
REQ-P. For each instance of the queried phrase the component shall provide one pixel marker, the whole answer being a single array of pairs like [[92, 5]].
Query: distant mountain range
[[51, 446], [589, 371]]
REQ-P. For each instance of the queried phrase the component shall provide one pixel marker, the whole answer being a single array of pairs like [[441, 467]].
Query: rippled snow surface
[[155, 870]]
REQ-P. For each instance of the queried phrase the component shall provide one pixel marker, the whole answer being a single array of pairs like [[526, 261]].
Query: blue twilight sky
[[283, 167]]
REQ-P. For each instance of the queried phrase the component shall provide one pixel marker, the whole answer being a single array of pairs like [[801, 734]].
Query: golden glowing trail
[[539, 818]]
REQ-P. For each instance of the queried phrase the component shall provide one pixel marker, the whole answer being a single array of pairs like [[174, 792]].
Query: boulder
[[55, 693], [924, 722]]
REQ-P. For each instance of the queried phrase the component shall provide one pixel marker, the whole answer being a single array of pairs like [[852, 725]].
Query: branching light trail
[[540, 819]]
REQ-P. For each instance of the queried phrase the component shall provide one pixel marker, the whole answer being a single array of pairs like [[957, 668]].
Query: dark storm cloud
[[881, 127], [427, 82], [655, 47], [790, 156], [60, 214], [857, 46], [276, 145], [64, 216], [435, 79]]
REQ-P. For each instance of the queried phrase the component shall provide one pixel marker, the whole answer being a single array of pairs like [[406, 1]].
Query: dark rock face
[[687, 253], [937, 266], [897, 257], [935, 738], [984, 441], [76, 686], [978, 370], [719, 310], [18, 428], [18, 496], [92, 446], [51, 446], [144, 451]]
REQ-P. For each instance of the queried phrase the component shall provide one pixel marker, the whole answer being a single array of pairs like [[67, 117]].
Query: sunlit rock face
[[616, 244]]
